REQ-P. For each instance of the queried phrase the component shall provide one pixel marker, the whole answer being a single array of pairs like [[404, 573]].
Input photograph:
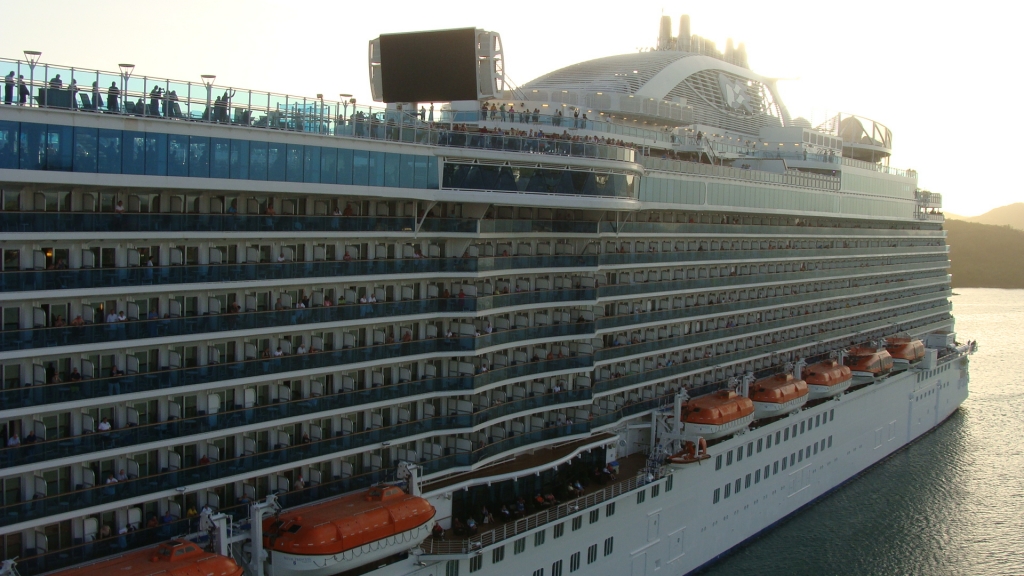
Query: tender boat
[[777, 395], [330, 537], [868, 362], [176, 557], [716, 415], [904, 351], [826, 379]]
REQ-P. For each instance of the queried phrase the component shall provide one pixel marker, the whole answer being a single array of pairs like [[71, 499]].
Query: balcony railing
[[219, 471], [82, 278], [212, 323], [803, 180], [151, 382]]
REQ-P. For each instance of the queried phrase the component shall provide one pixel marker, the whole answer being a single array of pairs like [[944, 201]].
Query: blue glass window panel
[[432, 181], [408, 171], [276, 161], [177, 155], [294, 163], [156, 154], [85, 150], [133, 153], [420, 178], [240, 159], [311, 164], [59, 147], [258, 154], [360, 167], [9, 143], [33, 146], [199, 157], [376, 169], [109, 146], [220, 156], [328, 165], [344, 166], [392, 169]]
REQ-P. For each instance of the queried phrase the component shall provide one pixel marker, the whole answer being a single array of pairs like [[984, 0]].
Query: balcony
[[220, 472], [150, 382], [307, 408], [91, 278], [203, 326]]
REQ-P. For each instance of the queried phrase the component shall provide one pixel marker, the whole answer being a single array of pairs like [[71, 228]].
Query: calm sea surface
[[952, 503]]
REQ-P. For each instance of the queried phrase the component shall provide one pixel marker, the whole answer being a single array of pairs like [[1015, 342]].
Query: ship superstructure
[[212, 295]]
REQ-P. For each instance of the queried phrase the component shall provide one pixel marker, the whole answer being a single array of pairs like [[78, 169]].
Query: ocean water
[[951, 503]]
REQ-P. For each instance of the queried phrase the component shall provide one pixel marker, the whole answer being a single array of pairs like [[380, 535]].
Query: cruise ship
[[617, 320]]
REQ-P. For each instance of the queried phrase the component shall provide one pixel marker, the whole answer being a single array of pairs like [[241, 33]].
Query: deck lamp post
[[344, 104], [320, 116], [32, 56], [126, 73], [208, 82]]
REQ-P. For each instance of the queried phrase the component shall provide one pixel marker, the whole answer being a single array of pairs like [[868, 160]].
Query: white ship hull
[[816, 391], [714, 431], [772, 409], [681, 530]]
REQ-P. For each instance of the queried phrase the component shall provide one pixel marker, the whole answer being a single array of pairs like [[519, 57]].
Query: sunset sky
[[939, 75]]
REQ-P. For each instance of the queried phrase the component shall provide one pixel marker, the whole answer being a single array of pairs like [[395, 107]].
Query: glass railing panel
[[535, 297], [552, 400]]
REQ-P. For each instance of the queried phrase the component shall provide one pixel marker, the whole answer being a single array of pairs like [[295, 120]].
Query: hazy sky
[[939, 75]]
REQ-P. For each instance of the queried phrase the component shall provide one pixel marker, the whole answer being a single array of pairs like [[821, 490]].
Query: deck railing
[[527, 523]]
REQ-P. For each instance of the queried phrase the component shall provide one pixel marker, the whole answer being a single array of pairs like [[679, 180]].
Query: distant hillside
[[985, 256], [1011, 215]]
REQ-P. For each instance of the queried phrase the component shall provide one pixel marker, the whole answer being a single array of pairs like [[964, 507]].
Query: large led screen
[[438, 66]]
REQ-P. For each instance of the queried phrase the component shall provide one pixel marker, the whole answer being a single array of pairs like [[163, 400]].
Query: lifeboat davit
[[691, 452], [716, 415], [904, 351], [176, 557], [340, 534], [777, 395], [868, 363], [826, 379]]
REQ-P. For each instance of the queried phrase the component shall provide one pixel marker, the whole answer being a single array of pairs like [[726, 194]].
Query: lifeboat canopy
[[778, 389], [827, 373], [178, 557], [869, 361], [909, 349], [717, 408]]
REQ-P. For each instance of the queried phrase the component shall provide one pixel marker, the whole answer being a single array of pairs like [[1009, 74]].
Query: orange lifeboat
[[717, 414], [826, 379], [176, 557], [328, 537], [777, 395], [868, 363], [904, 351]]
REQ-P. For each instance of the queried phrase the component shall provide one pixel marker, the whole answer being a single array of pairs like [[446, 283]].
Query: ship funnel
[[730, 51], [665, 33], [683, 41], [741, 55]]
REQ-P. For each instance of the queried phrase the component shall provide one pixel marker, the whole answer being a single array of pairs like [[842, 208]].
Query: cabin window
[[498, 554], [655, 490], [786, 437], [792, 459], [750, 449], [538, 538], [609, 510], [728, 490], [577, 523], [817, 420], [800, 456], [519, 546], [832, 414], [824, 417], [476, 563], [641, 496], [728, 458], [609, 543], [815, 447], [718, 462], [810, 424], [592, 554], [739, 485], [718, 494], [830, 441], [594, 516], [538, 572], [783, 463], [802, 427], [775, 468], [574, 562], [767, 469], [794, 430], [452, 568], [668, 484], [556, 568], [778, 437], [760, 441], [559, 530], [739, 453], [757, 476], [746, 481]]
